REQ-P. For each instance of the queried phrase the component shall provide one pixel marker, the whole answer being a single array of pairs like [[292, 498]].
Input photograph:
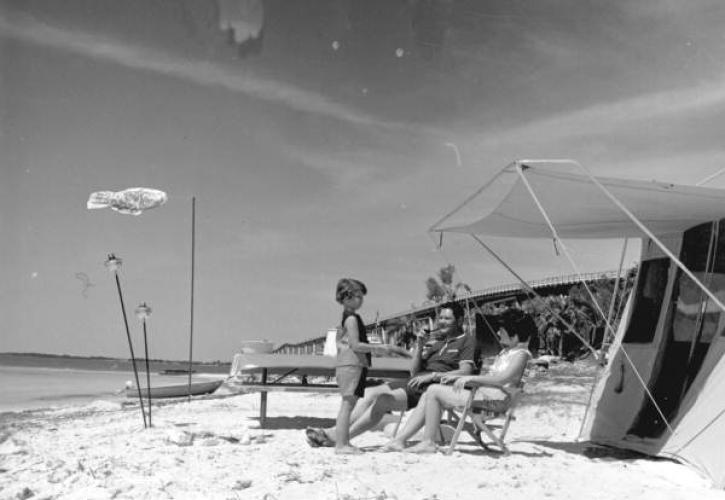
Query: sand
[[213, 448]]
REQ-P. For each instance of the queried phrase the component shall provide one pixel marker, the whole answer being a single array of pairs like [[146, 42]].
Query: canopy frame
[[520, 166]]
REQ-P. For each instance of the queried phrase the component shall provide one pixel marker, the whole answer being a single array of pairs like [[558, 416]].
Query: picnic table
[[283, 366]]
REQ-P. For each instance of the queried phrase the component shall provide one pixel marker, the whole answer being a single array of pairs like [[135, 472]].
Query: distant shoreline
[[74, 356], [104, 363]]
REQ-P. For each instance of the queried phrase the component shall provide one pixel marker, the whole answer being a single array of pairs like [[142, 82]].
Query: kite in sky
[[131, 201]]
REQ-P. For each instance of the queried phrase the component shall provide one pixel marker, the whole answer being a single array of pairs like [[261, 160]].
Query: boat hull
[[177, 390]]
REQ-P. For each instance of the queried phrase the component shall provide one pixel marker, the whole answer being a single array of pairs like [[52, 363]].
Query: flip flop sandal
[[311, 439], [317, 438]]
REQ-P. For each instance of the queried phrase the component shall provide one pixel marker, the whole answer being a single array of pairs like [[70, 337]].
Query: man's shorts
[[412, 395], [351, 380]]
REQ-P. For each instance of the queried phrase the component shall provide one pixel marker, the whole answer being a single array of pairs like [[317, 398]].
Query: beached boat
[[176, 390], [175, 371]]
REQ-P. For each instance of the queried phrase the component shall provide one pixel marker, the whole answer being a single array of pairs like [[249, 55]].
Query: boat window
[[684, 347], [696, 316], [713, 313], [651, 287], [695, 247]]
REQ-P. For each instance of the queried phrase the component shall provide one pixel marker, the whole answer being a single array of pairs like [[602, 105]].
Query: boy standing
[[353, 358]]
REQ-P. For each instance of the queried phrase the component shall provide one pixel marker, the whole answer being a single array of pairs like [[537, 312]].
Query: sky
[[323, 148]]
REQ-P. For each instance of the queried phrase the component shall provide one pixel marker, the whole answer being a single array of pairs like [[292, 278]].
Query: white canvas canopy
[[663, 389], [578, 208]]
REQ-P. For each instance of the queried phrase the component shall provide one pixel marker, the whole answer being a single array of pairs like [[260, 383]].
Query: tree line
[[585, 311]]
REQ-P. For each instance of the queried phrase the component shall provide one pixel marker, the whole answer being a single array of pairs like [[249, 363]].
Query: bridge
[[556, 285]]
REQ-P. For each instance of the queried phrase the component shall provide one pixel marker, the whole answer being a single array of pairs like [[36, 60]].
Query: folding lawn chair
[[481, 413]]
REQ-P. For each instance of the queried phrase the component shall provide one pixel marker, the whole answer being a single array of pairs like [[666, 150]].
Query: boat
[[176, 390], [176, 371]]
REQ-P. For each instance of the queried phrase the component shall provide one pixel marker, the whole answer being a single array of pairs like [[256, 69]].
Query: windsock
[[130, 201]]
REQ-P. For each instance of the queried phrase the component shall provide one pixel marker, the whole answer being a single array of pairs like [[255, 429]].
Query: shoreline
[[36, 388], [98, 363], [91, 370], [212, 447]]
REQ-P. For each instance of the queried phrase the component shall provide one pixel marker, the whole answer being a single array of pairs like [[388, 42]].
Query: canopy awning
[[577, 207]]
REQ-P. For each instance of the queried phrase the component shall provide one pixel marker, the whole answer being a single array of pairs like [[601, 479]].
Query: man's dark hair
[[455, 307]]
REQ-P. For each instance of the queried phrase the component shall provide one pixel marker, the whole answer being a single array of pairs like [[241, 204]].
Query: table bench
[[285, 365]]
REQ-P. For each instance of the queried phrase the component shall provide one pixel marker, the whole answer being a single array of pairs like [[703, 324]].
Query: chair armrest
[[476, 385], [473, 386]]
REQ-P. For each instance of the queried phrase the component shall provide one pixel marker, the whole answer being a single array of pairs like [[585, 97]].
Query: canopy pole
[[468, 313], [615, 291], [666, 251], [490, 327], [556, 315], [142, 312], [557, 238], [191, 321], [529, 289], [699, 433], [148, 373], [612, 301], [566, 252], [461, 205], [439, 248], [709, 268], [711, 177], [651, 236]]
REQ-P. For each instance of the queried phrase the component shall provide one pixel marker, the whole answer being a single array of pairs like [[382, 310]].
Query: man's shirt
[[447, 354]]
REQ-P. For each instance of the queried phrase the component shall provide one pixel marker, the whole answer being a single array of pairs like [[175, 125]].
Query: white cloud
[[617, 116], [264, 242], [669, 10], [686, 168], [345, 172], [199, 72]]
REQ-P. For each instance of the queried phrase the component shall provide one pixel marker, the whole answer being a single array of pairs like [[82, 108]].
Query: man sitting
[[453, 353], [506, 370]]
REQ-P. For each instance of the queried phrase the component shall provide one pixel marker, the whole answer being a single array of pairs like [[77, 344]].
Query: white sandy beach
[[214, 448]]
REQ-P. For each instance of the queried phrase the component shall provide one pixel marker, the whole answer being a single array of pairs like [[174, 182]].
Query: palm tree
[[443, 289]]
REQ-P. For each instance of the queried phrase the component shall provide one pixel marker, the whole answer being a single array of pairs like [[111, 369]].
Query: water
[[26, 388]]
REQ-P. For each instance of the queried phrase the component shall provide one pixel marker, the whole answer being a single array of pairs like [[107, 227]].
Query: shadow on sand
[[596, 451], [474, 450], [471, 448], [274, 423], [586, 449]]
